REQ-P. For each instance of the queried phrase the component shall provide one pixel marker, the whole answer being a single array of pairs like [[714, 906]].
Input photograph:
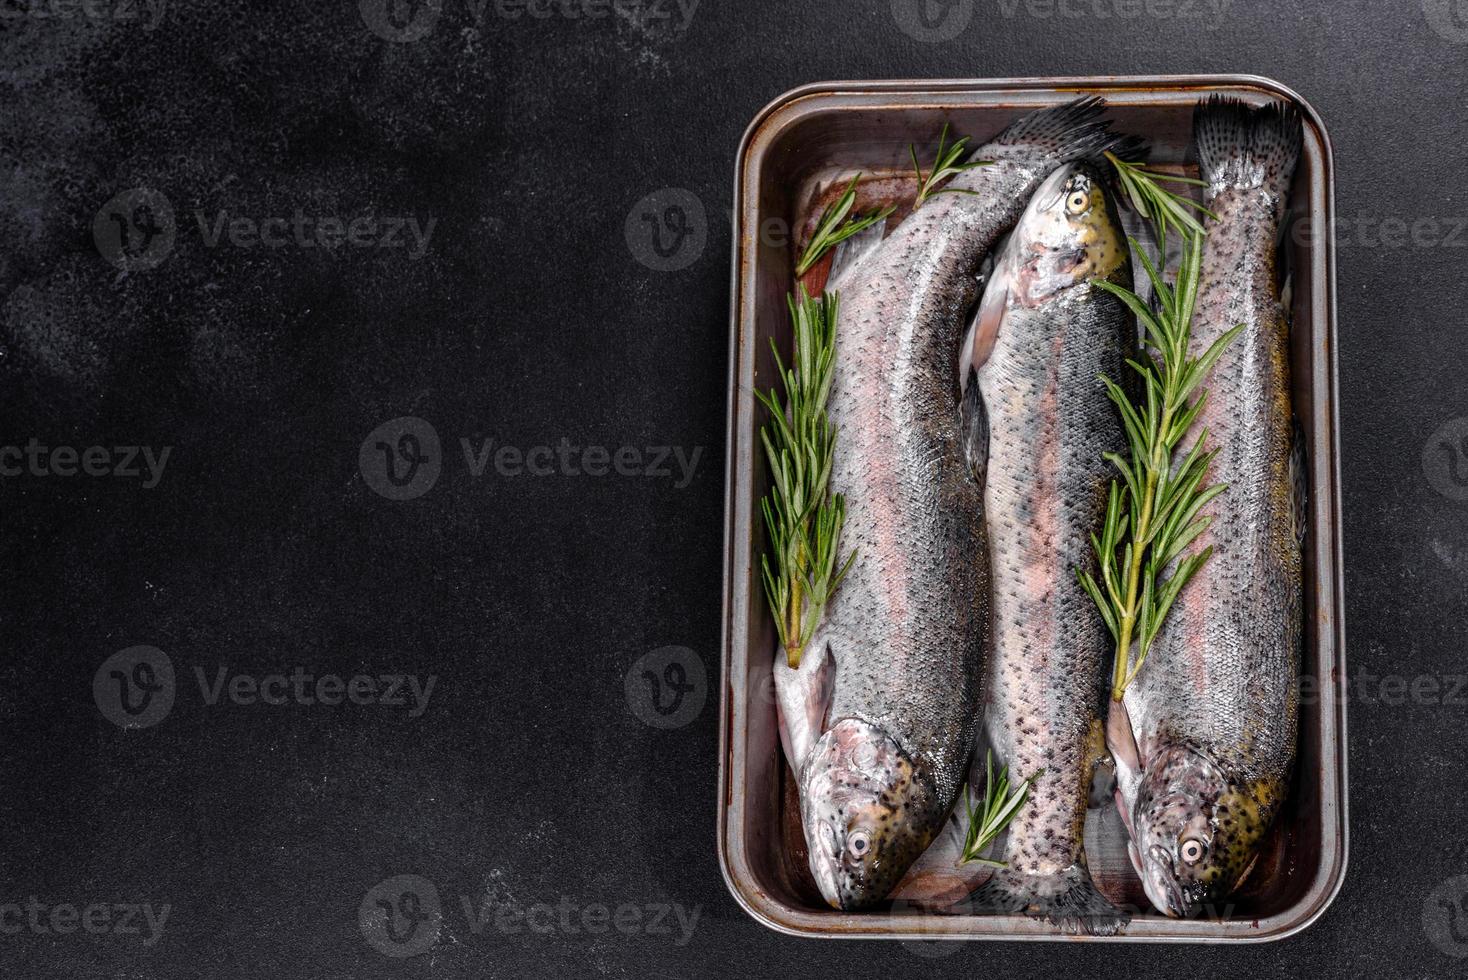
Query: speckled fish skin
[[906, 628], [1213, 712], [1050, 422]]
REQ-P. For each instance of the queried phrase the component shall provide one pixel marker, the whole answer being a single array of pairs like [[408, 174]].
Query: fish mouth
[[1161, 884], [825, 875]]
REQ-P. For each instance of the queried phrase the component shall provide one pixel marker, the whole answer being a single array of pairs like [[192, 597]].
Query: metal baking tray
[[800, 146]]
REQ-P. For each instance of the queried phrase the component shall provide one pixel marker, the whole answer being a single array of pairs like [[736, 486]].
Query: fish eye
[[1077, 201], [859, 842], [1192, 851]]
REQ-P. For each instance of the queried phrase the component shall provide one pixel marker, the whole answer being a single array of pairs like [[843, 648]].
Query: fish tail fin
[[1244, 147], [1073, 131], [1068, 899]]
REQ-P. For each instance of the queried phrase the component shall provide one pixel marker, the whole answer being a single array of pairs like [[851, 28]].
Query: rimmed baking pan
[[801, 145]]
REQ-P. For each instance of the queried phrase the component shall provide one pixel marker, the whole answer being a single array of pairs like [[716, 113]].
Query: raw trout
[[1206, 740], [879, 720], [1044, 335]]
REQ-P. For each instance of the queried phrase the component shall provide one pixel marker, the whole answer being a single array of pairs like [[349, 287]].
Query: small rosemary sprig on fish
[[836, 225], [801, 569], [1158, 205], [1154, 510], [945, 165], [987, 822]]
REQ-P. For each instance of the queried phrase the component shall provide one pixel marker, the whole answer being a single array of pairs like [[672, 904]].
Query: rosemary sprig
[[945, 165], [804, 519], [1153, 512], [1164, 209], [987, 822], [835, 227]]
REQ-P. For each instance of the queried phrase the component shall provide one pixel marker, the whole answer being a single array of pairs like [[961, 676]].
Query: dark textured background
[[529, 319]]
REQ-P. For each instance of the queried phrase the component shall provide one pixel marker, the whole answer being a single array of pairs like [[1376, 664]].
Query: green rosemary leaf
[[835, 227], [1154, 511], [945, 165], [988, 820], [803, 566]]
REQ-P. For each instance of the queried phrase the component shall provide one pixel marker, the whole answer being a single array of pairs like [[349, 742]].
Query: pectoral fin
[[803, 699], [974, 420]]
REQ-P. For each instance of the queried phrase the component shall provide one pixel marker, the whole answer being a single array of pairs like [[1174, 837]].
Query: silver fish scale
[[907, 625], [1049, 422], [1222, 674]]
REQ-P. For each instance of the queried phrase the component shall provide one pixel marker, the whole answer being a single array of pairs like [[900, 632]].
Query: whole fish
[[1206, 740], [1044, 335], [878, 721]]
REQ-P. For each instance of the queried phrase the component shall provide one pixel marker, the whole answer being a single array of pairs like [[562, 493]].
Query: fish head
[[1195, 833], [868, 813], [1068, 235]]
